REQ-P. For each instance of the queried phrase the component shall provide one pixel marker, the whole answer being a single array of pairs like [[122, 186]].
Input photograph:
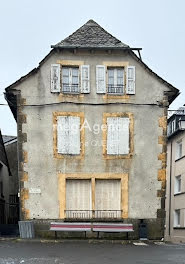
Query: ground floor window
[[93, 198], [78, 199]]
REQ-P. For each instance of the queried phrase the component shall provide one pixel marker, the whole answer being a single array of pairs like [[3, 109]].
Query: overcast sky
[[29, 27]]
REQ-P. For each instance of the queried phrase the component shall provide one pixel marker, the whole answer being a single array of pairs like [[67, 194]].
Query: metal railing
[[112, 89], [93, 214], [70, 88]]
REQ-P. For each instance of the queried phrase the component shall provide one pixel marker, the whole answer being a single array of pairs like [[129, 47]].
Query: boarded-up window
[[68, 135], [117, 135], [108, 198], [78, 198]]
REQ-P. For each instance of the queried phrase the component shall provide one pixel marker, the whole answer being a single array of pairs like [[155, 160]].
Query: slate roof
[[8, 138], [91, 35]]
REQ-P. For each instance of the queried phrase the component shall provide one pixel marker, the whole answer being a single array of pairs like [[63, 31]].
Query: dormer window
[[70, 80]]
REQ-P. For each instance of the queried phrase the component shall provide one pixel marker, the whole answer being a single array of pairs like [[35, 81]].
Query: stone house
[[8, 181], [175, 193], [92, 120]]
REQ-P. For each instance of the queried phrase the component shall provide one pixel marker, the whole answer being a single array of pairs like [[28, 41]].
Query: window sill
[[178, 227], [180, 158], [179, 193]]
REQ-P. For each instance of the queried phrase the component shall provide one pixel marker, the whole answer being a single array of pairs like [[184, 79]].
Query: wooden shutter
[[63, 134], [85, 79], [100, 79], [107, 197], [117, 135], [74, 135], [112, 136], [130, 85], [123, 135], [68, 135], [78, 198], [55, 78]]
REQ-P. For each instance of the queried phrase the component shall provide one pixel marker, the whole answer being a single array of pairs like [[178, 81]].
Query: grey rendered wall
[[42, 168]]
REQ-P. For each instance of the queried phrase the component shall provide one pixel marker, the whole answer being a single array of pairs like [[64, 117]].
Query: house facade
[[92, 121], [175, 194]]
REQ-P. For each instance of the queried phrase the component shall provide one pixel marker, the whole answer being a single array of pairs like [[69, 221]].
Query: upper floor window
[[173, 126], [76, 79], [111, 80], [115, 80], [177, 184], [177, 218], [70, 80], [179, 149]]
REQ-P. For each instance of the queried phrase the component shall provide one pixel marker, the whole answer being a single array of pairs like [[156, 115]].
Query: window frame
[[115, 80], [177, 216], [178, 183], [131, 135], [62, 177], [70, 77], [179, 149], [82, 135]]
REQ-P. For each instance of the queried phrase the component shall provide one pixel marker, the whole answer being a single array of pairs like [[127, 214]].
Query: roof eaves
[[177, 92]]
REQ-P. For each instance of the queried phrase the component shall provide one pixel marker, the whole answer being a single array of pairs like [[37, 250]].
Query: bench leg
[[127, 235], [98, 234], [55, 234], [85, 234]]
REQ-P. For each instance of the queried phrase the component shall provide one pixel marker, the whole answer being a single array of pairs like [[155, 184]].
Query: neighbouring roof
[[90, 35], [7, 139]]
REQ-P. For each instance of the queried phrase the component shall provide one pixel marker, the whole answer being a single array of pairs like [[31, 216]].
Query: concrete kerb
[[90, 241]]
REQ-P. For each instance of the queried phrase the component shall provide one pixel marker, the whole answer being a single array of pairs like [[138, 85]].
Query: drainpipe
[[170, 190]]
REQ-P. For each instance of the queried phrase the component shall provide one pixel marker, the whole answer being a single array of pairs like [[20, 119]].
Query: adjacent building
[[175, 195], [92, 122], [9, 204]]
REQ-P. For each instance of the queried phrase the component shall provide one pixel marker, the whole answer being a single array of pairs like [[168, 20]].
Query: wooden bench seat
[[94, 227]]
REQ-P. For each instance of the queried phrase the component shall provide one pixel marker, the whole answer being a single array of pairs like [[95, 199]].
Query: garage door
[[108, 198], [78, 198]]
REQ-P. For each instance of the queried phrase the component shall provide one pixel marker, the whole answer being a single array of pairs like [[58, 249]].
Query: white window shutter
[[74, 135], [130, 84], [63, 134], [85, 79], [112, 136], [100, 79], [123, 135], [55, 78]]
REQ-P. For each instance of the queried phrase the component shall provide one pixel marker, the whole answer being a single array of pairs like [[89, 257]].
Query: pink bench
[[95, 227]]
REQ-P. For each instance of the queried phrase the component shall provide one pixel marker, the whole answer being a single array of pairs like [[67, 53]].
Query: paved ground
[[84, 252]]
